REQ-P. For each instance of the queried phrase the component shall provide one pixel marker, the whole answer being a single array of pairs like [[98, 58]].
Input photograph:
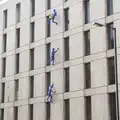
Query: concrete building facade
[[83, 73]]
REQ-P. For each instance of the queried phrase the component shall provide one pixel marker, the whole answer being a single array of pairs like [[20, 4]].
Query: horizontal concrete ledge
[[3, 1]]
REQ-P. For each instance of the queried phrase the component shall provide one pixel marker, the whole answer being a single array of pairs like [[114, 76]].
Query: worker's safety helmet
[[52, 85], [53, 49], [54, 10]]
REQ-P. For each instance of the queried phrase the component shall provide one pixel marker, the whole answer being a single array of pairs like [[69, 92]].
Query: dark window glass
[[109, 7], [67, 109], [47, 111], [4, 42], [16, 89], [31, 112], [48, 54], [87, 42], [87, 11], [18, 38], [48, 28], [17, 63], [2, 92], [32, 31], [4, 68], [112, 106], [18, 12], [2, 114], [31, 86], [32, 8], [111, 71], [16, 113], [110, 36], [88, 107], [48, 4], [5, 19], [66, 19], [48, 80], [87, 75], [32, 59], [66, 48], [66, 71]]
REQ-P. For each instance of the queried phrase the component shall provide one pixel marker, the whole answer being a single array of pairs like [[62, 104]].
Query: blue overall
[[54, 15], [50, 93], [53, 56]]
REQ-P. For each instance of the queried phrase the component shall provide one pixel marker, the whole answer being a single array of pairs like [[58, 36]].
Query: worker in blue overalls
[[53, 55], [52, 17], [50, 91]]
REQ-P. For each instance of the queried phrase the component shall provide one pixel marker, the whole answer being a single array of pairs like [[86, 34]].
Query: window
[[16, 113], [67, 108], [111, 71], [48, 57], [4, 42], [32, 59], [32, 8], [16, 89], [18, 38], [66, 49], [110, 36], [66, 75], [31, 86], [2, 114], [48, 80], [112, 106], [4, 67], [87, 42], [5, 19], [18, 12], [48, 4], [47, 111], [32, 31], [48, 27], [66, 19], [88, 107], [31, 112], [87, 75], [17, 63], [109, 7], [87, 11], [2, 92]]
